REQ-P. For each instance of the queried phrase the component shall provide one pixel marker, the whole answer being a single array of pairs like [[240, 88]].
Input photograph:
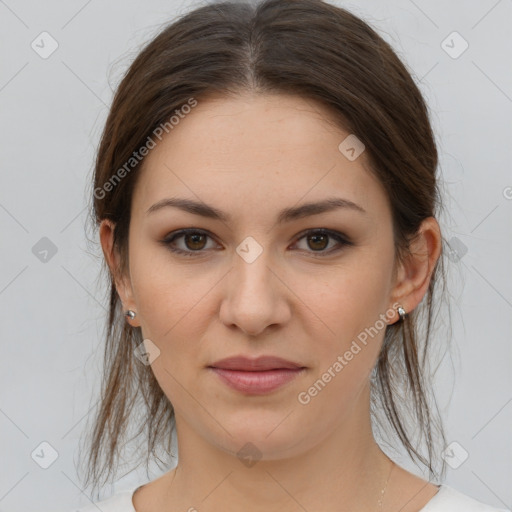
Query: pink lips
[[256, 376]]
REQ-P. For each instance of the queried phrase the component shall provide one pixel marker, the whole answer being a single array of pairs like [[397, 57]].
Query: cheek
[[161, 291], [349, 340], [350, 305], [349, 300]]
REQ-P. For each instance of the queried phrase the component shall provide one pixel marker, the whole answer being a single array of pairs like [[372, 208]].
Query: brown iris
[[317, 238], [196, 239]]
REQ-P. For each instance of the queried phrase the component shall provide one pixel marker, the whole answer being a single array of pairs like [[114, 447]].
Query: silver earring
[[131, 314], [401, 312]]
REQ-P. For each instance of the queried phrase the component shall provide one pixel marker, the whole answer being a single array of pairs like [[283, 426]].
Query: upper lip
[[261, 363]]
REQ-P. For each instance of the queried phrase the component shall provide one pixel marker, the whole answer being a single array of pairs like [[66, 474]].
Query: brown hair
[[320, 52]]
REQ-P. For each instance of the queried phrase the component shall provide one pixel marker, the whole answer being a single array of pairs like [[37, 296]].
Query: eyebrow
[[286, 215]]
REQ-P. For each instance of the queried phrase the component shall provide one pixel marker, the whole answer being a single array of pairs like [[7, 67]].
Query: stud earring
[[401, 312], [131, 314]]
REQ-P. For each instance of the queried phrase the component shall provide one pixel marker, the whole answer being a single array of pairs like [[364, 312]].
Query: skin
[[239, 154]]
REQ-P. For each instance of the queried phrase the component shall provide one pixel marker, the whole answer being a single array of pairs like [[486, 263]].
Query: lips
[[262, 363], [256, 376]]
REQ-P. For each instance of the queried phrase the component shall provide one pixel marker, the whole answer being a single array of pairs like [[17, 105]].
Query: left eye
[[318, 240], [195, 241]]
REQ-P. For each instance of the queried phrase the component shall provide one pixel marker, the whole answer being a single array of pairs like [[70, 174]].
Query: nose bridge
[[252, 274], [253, 300]]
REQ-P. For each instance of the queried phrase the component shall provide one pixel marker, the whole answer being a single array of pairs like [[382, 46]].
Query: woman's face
[[260, 282]]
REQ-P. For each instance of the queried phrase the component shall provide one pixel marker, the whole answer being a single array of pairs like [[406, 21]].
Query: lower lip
[[257, 383]]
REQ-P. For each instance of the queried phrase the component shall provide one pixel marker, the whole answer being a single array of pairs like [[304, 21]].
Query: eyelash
[[169, 239]]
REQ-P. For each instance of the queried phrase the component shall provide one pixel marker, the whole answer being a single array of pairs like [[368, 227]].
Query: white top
[[447, 499]]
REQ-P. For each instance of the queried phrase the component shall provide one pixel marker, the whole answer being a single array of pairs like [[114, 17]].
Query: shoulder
[[121, 501], [449, 499]]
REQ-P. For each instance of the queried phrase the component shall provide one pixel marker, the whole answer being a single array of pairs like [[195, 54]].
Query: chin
[[269, 440]]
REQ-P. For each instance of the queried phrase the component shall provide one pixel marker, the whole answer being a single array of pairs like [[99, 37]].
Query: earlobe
[[416, 270]]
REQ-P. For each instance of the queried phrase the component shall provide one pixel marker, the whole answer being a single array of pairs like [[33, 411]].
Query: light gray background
[[52, 113]]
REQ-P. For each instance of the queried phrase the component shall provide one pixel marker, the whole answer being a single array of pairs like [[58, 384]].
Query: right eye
[[194, 241]]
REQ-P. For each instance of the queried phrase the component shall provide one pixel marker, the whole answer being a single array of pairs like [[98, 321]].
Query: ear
[[122, 282], [414, 274]]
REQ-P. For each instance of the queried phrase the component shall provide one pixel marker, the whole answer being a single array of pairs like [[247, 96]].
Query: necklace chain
[[381, 497]]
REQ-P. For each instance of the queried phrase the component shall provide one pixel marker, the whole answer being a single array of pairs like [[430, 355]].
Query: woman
[[266, 196]]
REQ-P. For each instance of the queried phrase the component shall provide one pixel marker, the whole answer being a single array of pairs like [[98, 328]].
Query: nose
[[255, 296]]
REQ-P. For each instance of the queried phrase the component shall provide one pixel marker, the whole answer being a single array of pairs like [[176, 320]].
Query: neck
[[344, 471]]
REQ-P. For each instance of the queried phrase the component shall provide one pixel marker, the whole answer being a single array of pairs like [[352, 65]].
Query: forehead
[[255, 150]]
